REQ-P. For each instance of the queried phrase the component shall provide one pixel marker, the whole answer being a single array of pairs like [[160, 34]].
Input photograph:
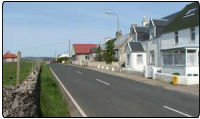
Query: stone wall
[[23, 100]]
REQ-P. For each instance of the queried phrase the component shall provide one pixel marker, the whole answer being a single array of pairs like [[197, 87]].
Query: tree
[[98, 55], [108, 54]]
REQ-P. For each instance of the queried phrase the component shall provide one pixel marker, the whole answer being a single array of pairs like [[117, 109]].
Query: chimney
[[118, 34], [145, 23]]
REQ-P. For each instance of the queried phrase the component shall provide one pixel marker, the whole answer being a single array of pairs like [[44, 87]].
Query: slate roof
[[136, 47], [9, 55], [142, 33], [160, 22], [171, 17], [121, 40], [180, 22], [141, 29], [84, 48]]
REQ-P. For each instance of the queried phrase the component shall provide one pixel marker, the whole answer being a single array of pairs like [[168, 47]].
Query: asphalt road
[[104, 95]]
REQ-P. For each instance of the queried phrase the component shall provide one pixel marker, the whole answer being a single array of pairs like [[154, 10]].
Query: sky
[[45, 28]]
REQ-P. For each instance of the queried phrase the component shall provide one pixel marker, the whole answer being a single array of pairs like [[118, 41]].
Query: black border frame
[[80, 1]]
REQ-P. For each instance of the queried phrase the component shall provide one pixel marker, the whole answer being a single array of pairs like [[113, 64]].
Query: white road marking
[[70, 96], [79, 72], [169, 108], [102, 81]]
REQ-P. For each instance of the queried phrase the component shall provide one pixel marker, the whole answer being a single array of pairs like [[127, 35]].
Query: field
[[10, 69], [52, 102]]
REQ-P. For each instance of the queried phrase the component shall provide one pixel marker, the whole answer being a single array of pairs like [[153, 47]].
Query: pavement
[[104, 95], [192, 89]]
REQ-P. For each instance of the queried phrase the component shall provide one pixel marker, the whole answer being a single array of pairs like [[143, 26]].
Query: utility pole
[[69, 47], [18, 67]]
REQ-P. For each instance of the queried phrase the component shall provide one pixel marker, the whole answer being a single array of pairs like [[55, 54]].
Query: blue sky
[[43, 28]]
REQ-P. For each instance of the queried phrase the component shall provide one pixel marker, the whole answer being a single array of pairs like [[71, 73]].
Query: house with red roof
[[9, 57], [83, 53]]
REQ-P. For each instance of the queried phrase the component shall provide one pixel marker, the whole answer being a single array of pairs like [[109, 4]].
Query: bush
[[176, 73], [98, 57], [115, 59]]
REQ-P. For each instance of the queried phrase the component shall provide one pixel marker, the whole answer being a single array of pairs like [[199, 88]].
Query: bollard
[[113, 69], [107, 68]]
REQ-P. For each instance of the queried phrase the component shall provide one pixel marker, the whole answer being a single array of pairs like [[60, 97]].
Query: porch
[[183, 61]]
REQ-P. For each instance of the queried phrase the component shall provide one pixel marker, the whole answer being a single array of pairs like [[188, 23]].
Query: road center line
[[102, 81], [79, 72], [169, 108]]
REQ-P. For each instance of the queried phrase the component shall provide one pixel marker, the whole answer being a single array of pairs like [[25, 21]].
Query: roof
[[94, 50], [63, 55], [160, 22], [136, 47], [9, 55], [180, 22], [171, 17], [142, 33], [120, 41], [84, 48], [141, 29]]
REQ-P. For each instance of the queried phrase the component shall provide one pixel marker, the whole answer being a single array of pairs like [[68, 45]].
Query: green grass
[[52, 102], [9, 72]]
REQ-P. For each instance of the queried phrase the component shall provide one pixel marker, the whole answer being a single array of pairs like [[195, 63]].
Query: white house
[[135, 57], [173, 46], [176, 50], [181, 54]]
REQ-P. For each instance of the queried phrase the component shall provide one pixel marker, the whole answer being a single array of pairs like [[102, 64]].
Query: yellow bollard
[[175, 80]]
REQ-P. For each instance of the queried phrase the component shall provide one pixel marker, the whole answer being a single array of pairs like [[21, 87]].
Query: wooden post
[[18, 67]]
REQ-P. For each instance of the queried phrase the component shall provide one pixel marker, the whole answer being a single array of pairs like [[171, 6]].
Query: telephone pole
[[69, 48]]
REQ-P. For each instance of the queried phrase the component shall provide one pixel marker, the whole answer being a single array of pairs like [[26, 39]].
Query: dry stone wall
[[23, 100]]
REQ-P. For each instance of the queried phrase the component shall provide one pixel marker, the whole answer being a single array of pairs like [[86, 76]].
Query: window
[[191, 58], [139, 59], [167, 58], [179, 57], [87, 57], [173, 58], [128, 59], [193, 34], [176, 37], [152, 57], [190, 12]]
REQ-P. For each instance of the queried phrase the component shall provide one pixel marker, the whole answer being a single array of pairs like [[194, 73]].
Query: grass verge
[[52, 102]]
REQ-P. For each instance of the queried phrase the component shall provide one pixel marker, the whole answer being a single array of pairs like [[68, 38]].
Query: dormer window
[[192, 34], [190, 12], [176, 37]]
